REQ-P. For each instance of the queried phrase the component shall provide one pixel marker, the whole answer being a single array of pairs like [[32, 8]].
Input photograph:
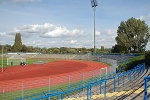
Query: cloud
[[49, 35], [2, 34], [18, 1], [6, 35], [98, 33], [46, 31], [52, 31], [59, 31], [22, 2], [105, 37], [107, 32], [38, 41], [73, 41], [145, 18], [52, 42]]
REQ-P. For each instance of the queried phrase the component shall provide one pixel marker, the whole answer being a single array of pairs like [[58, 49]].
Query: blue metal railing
[[146, 79], [137, 71]]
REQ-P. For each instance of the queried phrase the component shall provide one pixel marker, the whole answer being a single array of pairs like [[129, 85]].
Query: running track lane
[[38, 75]]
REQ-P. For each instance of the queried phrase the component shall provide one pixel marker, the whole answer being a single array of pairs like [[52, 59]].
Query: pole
[[145, 90], [114, 84], [2, 59], [106, 72], [22, 91], [82, 79], [49, 87], [105, 90], [94, 31], [69, 86], [100, 74]]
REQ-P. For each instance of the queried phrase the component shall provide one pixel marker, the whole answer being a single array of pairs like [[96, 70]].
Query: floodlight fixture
[[94, 4]]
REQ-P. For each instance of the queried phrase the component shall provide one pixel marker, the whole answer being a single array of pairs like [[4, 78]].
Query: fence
[[146, 79], [65, 86], [132, 75], [40, 87], [111, 61]]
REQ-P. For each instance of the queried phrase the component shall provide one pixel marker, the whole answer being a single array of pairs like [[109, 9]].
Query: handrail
[[146, 79], [140, 67]]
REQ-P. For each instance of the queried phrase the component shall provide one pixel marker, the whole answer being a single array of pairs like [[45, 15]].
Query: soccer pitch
[[28, 61]]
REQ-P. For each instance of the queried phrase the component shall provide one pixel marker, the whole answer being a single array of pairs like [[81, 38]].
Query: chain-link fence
[[41, 87]]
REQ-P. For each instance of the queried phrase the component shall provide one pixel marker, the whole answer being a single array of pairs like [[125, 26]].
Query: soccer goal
[[103, 72], [15, 61]]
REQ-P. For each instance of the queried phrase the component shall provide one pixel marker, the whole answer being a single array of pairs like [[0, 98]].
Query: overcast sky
[[67, 23]]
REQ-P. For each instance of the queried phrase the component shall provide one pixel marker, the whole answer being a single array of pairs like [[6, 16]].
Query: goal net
[[15, 61], [103, 72]]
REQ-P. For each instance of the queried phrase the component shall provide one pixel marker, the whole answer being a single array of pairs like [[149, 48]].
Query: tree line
[[54, 50]]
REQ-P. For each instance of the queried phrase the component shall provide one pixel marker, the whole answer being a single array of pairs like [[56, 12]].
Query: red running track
[[53, 70]]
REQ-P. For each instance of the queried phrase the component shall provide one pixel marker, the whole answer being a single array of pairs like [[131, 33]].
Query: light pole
[[94, 4], [2, 58]]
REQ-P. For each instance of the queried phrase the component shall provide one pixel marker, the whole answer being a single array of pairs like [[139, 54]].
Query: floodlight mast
[[94, 4], [2, 58]]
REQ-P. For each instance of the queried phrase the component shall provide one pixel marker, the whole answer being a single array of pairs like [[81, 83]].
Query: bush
[[147, 54]]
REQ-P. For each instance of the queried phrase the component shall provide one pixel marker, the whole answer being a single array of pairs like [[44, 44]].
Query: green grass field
[[28, 61]]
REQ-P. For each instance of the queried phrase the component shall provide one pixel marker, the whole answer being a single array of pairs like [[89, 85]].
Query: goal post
[[103, 72], [15, 61]]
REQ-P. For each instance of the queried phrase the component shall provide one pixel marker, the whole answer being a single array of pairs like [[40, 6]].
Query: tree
[[116, 49], [17, 47], [133, 35], [24, 48], [44, 50], [7, 48], [102, 48], [30, 48]]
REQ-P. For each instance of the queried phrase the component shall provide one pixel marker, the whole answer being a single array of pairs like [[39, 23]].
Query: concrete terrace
[[130, 91]]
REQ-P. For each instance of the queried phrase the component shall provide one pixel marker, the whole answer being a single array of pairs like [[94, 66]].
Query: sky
[[67, 23]]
